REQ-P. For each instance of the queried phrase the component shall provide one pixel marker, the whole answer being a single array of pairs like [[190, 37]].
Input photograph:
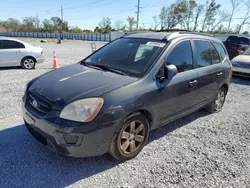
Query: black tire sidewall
[[114, 148]]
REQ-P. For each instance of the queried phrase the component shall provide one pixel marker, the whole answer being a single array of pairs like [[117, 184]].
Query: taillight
[[240, 48]]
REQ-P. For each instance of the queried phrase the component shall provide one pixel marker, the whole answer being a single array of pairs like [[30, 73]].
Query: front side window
[[129, 55], [181, 56], [9, 44], [203, 53]]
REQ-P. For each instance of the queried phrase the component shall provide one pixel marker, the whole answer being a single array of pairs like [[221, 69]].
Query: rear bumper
[[40, 59], [52, 136]]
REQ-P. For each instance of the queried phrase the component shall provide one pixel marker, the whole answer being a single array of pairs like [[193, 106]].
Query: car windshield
[[247, 52], [129, 55]]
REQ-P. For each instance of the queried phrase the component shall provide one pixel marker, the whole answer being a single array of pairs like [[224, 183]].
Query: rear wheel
[[28, 63], [217, 104], [131, 138]]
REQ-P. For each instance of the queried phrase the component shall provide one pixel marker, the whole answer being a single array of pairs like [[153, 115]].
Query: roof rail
[[197, 33], [171, 30], [129, 33]]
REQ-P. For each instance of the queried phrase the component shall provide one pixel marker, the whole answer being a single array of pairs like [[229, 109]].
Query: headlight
[[83, 110]]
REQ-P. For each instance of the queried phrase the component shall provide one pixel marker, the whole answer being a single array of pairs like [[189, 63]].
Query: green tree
[[12, 25], [210, 14], [75, 30], [131, 23], [163, 17], [48, 26]]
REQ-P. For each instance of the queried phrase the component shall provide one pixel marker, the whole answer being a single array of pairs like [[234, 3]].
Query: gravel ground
[[200, 150]]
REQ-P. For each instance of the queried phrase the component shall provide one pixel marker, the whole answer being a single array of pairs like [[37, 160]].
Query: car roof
[[9, 38], [167, 36]]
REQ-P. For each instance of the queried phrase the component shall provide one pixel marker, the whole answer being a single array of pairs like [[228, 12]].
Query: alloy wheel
[[132, 137], [28, 63], [220, 100]]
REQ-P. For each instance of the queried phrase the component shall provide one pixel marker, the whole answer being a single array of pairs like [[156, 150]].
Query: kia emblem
[[35, 104]]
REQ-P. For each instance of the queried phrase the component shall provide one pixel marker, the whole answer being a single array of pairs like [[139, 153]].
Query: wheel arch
[[29, 56]]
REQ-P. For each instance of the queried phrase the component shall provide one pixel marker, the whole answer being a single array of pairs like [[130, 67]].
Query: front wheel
[[131, 138], [28, 63], [217, 104]]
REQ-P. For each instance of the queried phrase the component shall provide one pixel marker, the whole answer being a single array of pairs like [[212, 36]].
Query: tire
[[28, 63], [217, 104], [130, 139]]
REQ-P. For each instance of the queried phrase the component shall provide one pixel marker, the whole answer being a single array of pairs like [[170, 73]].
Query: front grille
[[38, 106]]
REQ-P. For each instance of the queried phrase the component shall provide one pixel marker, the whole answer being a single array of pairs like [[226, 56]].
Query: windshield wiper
[[90, 65], [105, 67]]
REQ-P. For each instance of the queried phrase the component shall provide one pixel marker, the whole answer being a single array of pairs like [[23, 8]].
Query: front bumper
[[85, 143]]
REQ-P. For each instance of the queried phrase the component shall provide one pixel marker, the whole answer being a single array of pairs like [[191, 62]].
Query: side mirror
[[170, 71], [241, 52]]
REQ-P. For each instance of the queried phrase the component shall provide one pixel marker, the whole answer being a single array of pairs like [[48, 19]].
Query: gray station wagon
[[111, 100]]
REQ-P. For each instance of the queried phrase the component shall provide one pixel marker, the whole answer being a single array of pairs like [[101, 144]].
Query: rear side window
[[215, 55], [220, 50], [244, 40], [203, 53], [8, 44], [181, 56]]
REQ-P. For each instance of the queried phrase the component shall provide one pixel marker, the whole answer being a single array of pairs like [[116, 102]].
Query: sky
[[87, 13]]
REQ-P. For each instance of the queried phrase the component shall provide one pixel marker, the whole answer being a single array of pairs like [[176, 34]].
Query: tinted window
[[244, 40], [220, 50], [181, 56], [203, 53], [129, 55], [233, 39], [8, 44], [215, 55]]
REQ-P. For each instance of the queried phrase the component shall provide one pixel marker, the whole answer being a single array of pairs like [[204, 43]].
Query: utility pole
[[37, 21], [138, 14], [62, 13]]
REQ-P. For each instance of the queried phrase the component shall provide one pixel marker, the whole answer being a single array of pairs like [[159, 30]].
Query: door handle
[[192, 83], [18, 51], [219, 74]]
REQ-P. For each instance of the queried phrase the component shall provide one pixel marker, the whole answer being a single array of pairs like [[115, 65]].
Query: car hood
[[242, 58], [75, 82]]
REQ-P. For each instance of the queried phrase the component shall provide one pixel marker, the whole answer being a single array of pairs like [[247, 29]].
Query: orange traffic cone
[[55, 65]]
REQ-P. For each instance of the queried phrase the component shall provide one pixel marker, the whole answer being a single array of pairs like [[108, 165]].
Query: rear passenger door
[[10, 53], [210, 70]]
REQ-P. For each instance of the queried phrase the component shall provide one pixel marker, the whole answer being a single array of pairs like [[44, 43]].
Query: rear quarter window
[[221, 50]]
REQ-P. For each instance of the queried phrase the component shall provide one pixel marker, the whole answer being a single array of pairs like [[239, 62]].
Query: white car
[[14, 52], [241, 64]]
